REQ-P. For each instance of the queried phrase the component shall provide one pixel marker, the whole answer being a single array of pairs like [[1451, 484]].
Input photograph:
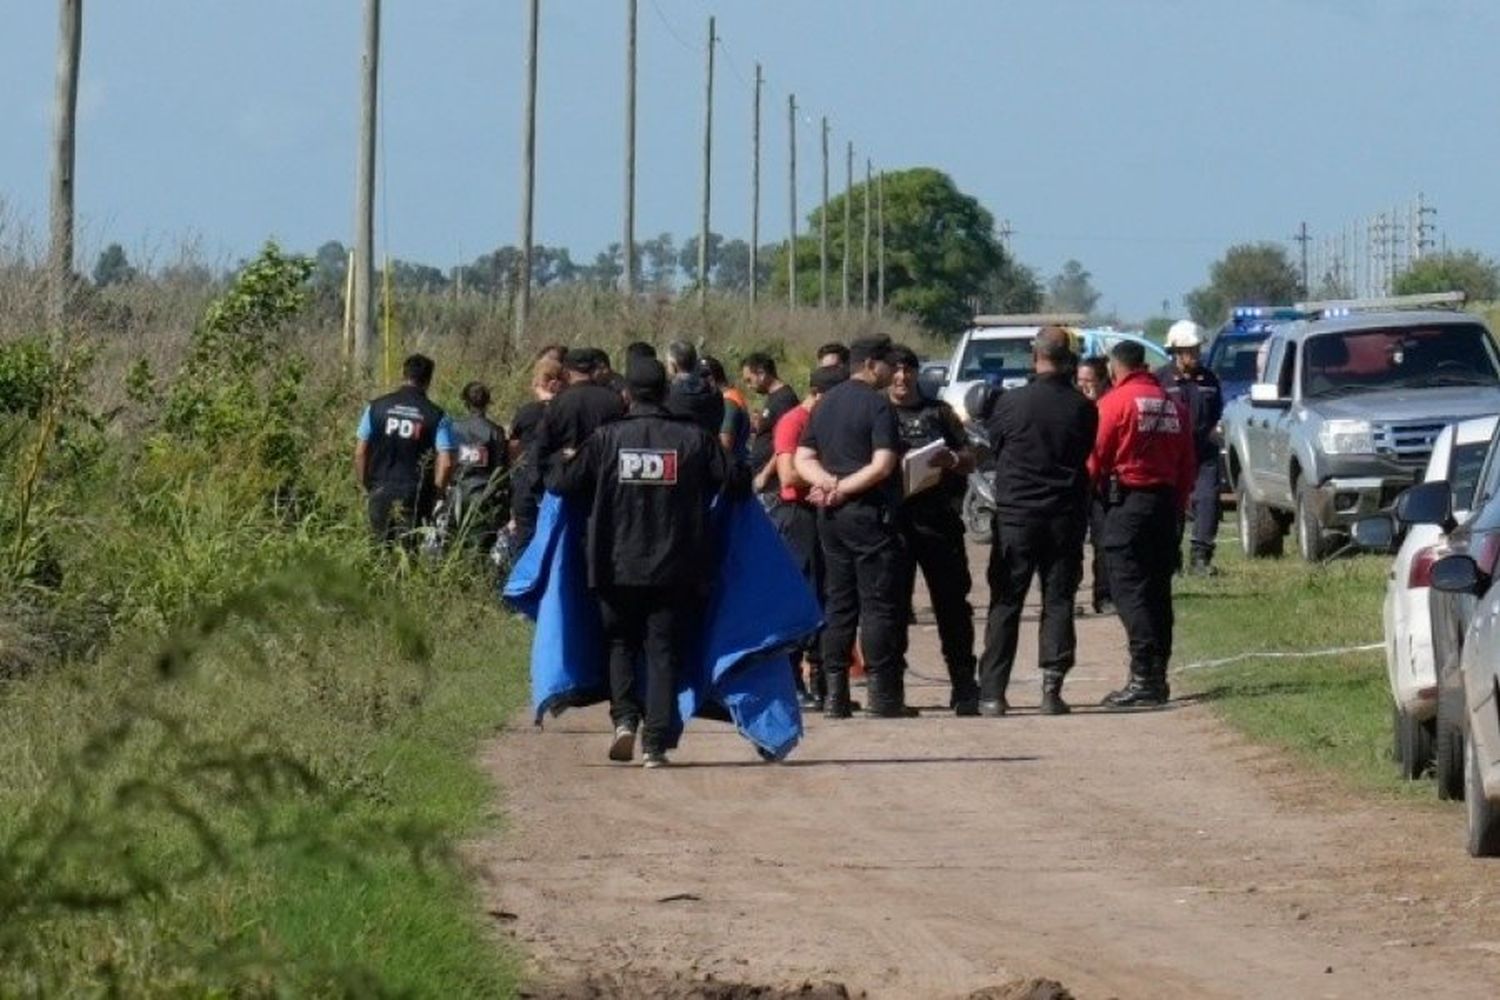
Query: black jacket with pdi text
[[1042, 434], [649, 480]]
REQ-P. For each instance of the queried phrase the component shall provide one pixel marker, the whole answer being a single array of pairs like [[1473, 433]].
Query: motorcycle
[[979, 497]]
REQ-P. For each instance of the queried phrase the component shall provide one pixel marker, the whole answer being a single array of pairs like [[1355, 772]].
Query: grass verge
[[1333, 711]]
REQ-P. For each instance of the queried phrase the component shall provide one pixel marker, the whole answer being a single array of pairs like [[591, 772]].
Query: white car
[[1458, 456], [998, 349]]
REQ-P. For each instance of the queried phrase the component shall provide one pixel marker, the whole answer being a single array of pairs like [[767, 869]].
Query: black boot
[[888, 699], [1052, 700], [1141, 692], [836, 702]]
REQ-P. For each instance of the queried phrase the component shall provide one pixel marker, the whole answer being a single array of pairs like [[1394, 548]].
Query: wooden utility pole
[[528, 179], [364, 199], [880, 243], [865, 255], [848, 217], [823, 227], [64, 141], [708, 168], [755, 192], [791, 246], [628, 242]]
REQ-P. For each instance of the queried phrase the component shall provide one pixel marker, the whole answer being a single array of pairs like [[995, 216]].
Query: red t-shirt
[[784, 438]]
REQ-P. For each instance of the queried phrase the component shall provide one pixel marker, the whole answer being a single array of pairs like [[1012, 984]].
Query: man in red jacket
[[1144, 466]]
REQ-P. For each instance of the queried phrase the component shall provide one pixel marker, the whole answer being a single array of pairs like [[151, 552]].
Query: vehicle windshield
[[1234, 358], [1463, 477], [1007, 357], [1336, 364]]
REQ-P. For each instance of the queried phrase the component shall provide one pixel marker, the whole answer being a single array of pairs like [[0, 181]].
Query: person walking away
[[1093, 382], [481, 486], [758, 372], [932, 526], [1042, 434], [1197, 389], [648, 480], [690, 395], [734, 431], [848, 456], [403, 458], [546, 383], [797, 522], [580, 408], [1143, 464], [833, 355]]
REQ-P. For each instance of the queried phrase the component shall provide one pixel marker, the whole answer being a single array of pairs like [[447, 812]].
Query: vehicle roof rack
[[1346, 307], [1032, 319]]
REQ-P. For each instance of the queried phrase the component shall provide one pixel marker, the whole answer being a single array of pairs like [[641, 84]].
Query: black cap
[[646, 379], [825, 378], [581, 359]]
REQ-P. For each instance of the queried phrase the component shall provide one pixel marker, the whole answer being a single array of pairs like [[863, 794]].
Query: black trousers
[[1140, 542], [797, 524], [655, 623], [865, 566], [1052, 550], [395, 511], [934, 537], [1206, 508], [1100, 571]]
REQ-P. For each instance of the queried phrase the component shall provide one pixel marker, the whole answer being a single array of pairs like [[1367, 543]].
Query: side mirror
[[1457, 575], [1427, 503], [1267, 395], [930, 380], [1376, 533]]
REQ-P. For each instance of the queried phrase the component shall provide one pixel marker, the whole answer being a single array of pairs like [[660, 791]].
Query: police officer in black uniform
[[480, 493], [849, 455], [1042, 434], [404, 457], [580, 408], [1197, 389], [689, 394], [649, 479], [932, 527]]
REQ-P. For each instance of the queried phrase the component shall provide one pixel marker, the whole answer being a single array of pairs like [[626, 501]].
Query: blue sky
[[1140, 136]]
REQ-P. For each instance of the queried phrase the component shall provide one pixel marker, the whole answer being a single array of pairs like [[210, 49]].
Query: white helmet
[[1183, 334]]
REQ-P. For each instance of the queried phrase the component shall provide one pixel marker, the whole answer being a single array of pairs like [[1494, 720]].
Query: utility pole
[[1005, 234], [848, 218], [528, 179], [1302, 238], [823, 227], [364, 213], [64, 143], [628, 242], [708, 167], [755, 193], [880, 243], [865, 256], [1425, 230], [791, 245]]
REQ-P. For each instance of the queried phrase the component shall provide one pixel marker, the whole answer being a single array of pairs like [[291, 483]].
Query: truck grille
[[1407, 443]]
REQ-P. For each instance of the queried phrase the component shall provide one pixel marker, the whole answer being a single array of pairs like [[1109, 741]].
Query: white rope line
[[1294, 655]]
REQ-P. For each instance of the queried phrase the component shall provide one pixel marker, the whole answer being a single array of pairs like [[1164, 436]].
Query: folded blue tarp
[[759, 609]]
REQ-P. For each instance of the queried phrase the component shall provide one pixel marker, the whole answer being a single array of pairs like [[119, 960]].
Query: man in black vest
[[480, 493], [1197, 390], [582, 407], [649, 480], [932, 528], [404, 458], [1042, 434]]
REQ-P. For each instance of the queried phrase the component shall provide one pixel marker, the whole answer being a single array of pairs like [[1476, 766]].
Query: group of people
[[1089, 446]]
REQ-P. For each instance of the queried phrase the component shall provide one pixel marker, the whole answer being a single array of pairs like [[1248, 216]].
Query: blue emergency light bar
[[1267, 314]]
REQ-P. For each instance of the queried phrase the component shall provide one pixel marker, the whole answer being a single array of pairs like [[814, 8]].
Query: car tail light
[[1420, 574]]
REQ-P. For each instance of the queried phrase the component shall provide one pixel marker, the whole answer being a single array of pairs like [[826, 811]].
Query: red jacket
[[1144, 439]]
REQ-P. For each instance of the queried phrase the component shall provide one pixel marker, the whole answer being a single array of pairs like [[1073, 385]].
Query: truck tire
[[1414, 743], [1448, 759], [1312, 540], [978, 522], [1483, 815], [1260, 533]]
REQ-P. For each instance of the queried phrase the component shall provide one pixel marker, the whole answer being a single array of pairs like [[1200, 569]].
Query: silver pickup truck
[[1352, 398]]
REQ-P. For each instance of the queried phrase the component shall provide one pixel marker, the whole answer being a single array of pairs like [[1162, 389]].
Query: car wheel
[[1483, 815], [978, 520], [1312, 541], [1414, 746], [1260, 533], [1448, 759]]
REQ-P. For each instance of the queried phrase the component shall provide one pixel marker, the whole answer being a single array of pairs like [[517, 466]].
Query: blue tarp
[[759, 609]]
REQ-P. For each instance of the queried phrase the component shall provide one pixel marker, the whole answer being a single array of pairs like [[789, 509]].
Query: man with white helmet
[[1196, 388]]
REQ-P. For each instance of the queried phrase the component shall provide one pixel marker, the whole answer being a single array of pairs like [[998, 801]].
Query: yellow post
[[386, 289], [349, 307]]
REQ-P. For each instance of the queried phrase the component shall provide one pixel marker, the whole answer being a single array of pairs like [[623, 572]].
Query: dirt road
[[1135, 856]]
